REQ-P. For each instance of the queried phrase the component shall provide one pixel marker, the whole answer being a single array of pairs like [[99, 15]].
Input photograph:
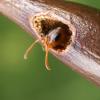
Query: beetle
[[53, 33]]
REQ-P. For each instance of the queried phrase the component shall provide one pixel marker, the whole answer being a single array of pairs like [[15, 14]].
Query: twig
[[83, 53]]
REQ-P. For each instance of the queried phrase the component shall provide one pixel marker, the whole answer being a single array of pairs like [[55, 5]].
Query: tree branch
[[83, 53]]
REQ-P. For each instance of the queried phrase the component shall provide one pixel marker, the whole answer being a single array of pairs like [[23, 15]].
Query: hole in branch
[[57, 33]]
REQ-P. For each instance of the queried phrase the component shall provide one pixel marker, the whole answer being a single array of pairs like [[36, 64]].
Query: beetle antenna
[[29, 49], [46, 58], [46, 51]]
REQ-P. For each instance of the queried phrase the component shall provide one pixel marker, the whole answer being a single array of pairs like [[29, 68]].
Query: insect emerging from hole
[[53, 34]]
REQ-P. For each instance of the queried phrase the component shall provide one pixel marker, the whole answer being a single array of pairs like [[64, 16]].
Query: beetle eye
[[57, 37]]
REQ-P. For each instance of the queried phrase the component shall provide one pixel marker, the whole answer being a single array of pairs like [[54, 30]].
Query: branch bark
[[83, 55]]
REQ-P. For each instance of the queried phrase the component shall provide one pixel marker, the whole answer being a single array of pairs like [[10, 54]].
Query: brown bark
[[83, 55]]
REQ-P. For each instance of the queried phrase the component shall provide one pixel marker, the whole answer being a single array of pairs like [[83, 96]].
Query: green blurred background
[[29, 80]]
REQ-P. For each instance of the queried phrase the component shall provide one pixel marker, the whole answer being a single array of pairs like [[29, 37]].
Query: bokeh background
[[29, 80]]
